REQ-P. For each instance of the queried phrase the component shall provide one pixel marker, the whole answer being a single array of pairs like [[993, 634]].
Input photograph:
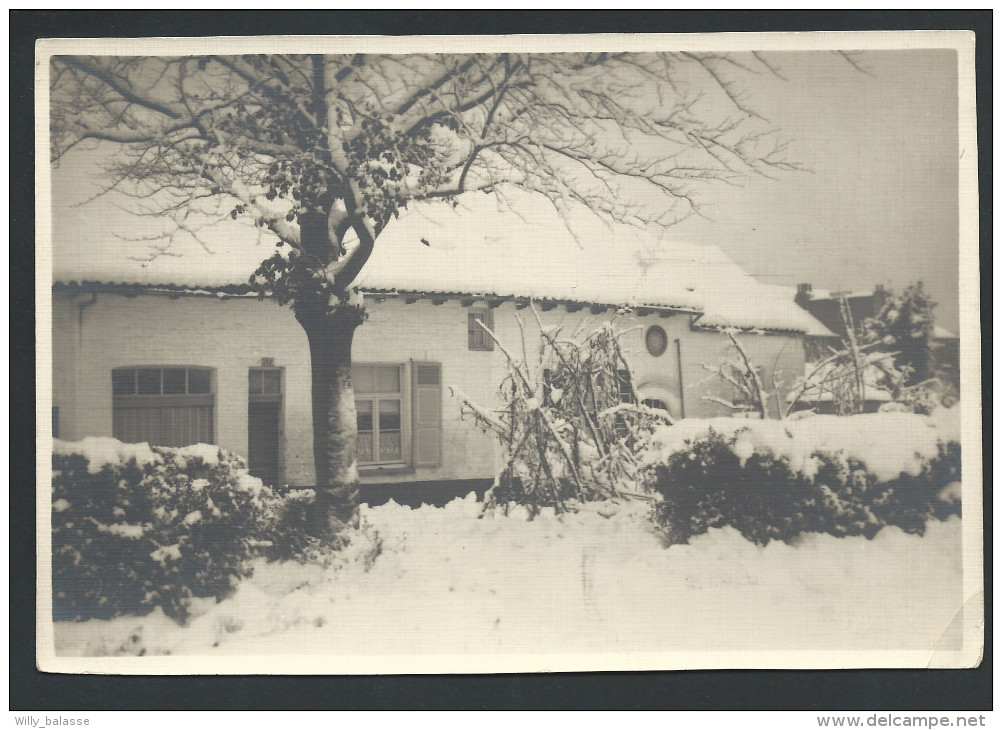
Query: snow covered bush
[[776, 480], [96, 519], [568, 421], [135, 527]]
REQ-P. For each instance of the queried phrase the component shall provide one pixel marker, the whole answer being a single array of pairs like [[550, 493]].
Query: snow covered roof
[[516, 244], [835, 294]]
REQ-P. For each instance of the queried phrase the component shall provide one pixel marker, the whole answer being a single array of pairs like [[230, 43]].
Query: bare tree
[[737, 370], [843, 374], [325, 150]]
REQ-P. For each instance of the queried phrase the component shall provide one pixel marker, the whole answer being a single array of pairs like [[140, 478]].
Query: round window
[[657, 341]]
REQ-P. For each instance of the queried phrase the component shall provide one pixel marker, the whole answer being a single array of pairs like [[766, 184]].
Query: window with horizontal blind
[[163, 406]]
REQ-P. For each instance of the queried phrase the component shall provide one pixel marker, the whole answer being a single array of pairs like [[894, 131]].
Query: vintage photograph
[[508, 354]]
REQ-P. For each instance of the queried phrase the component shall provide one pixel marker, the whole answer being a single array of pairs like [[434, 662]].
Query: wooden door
[[263, 441], [264, 417]]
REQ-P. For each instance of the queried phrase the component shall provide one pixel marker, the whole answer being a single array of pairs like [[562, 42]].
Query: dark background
[[30, 689]]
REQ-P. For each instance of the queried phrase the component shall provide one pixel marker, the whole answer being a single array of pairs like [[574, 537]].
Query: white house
[[179, 351]]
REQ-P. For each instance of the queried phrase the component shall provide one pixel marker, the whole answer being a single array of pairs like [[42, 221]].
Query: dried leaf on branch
[[568, 421]]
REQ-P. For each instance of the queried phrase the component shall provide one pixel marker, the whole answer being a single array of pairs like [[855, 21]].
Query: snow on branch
[[738, 371], [356, 138]]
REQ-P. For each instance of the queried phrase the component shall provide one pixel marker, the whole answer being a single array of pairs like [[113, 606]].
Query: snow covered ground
[[598, 581]]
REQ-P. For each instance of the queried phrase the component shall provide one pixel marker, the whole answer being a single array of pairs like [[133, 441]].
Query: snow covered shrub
[[568, 421], [911, 500], [209, 515], [775, 481], [288, 536], [712, 486], [136, 527], [97, 522]]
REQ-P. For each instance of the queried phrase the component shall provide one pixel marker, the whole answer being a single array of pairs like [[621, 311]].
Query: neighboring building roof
[[835, 294], [823, 304], [515, 246]]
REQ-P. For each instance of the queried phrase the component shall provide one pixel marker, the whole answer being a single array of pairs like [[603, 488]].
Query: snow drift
[[598, 580]]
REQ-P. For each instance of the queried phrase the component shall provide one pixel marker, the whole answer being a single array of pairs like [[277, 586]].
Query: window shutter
[[427, 413], [488, 319]]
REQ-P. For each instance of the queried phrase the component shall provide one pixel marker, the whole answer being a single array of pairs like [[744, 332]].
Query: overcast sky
[[878, 203]]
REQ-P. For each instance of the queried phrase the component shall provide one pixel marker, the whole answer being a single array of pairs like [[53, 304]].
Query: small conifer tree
[[904, 325]]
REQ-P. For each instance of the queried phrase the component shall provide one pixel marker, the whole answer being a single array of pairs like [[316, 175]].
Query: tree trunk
[[330, 333]]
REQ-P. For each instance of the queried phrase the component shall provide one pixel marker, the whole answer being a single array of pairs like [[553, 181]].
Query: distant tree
[[325, 150], [905, 326]]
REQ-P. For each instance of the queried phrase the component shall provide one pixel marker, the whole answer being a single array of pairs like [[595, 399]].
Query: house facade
[[181, 351], [176, 367]]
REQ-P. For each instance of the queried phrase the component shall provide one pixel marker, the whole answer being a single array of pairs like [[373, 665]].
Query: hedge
[[765, 490], [135, 527]]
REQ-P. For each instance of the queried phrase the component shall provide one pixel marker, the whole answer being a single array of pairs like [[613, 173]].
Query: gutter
[[681, 388], [81, 306], [493, 300]]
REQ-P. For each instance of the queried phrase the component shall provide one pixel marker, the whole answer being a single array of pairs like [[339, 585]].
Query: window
[[817, 349], [170, 406], [55, 422], [379, 404], [399, 419], [656, 340], [625, 384], [264, 384], [552, 381], [478, 338]]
